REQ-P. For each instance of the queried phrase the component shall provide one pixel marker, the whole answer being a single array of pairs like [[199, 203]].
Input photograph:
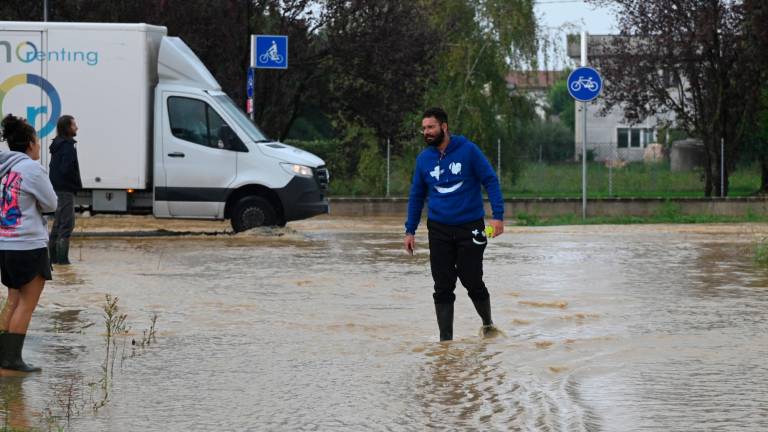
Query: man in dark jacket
[[450, 174], [64, 171]]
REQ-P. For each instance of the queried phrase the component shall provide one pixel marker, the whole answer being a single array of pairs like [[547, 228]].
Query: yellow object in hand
[[489, 231]]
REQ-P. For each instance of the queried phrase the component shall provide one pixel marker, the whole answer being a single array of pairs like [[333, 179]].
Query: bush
[[550, 142]]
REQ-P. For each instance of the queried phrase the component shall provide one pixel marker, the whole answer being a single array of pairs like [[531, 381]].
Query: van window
[[195, 121]]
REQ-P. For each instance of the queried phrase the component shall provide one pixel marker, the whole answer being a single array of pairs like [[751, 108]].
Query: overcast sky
[[558, 12], [572, 16]]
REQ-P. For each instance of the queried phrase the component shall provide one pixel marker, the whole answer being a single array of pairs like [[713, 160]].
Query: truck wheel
[[251, 212]]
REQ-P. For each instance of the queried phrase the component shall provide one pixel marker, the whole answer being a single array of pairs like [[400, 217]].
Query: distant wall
[[562, 206]]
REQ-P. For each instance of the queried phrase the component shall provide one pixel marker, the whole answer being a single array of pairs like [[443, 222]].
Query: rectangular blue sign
[[249, 87], [270, 52]]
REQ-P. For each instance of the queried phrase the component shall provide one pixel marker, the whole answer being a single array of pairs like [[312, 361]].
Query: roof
[[41, 26], [533, 80]]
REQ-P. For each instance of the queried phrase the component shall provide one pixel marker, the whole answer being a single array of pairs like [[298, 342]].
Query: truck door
[[24, 90], [198, 166]]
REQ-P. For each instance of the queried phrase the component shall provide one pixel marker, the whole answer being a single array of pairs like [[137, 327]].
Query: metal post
[[584, 135], [45, 10], [610, 172], [253, 64], [722, 168], [388, 153]]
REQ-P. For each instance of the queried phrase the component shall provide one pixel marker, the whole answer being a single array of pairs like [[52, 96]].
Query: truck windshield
[[254, 133]]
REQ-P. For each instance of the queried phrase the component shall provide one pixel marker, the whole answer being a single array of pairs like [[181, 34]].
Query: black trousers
[[456, 251], [64, 222]]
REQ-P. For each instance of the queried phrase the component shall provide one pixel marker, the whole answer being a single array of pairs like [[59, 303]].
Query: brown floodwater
[[327, 325]]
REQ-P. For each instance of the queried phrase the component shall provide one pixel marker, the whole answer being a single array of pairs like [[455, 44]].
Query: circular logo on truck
[[33, 111]]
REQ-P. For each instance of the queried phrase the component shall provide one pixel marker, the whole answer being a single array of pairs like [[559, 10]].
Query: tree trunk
[[763, 174], [708, 180]]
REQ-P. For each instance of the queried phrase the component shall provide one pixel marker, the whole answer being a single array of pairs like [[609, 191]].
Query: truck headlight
[[299, 170]]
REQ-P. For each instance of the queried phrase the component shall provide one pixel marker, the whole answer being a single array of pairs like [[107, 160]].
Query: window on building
[[634, 137], [623, 139]]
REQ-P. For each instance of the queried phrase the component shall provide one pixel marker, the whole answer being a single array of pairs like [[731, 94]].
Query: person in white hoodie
[[25, 194]]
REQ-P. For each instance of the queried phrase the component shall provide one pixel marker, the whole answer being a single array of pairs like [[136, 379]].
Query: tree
[[481, 41], [380, 61], [699, 62], [561, 102], [757, 143], [283, 96]]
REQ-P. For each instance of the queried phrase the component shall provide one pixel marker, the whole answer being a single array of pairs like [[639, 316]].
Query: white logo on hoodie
[[455, 167], [436, 172]]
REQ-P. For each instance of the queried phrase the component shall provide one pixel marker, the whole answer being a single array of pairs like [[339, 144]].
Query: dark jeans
[[456, 251], [64, 222]]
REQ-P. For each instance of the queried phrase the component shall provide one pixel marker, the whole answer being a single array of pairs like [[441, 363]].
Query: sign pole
[[584, 162], [584, 134], [252, 73], [584, 84], [267, 52]]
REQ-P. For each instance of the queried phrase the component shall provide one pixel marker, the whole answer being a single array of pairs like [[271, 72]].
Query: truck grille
[[322, 177]]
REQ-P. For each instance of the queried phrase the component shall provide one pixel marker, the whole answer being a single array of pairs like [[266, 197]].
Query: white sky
[[572, 16]]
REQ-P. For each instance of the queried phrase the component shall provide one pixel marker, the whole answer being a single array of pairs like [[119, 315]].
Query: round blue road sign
[[584, 84]]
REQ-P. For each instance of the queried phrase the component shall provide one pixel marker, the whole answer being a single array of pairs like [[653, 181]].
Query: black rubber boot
[[62, 250], [13, 344], [483, 308], [444, 312]]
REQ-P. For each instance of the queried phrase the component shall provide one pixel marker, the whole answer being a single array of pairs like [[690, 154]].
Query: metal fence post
[[611, 162], [722, 167]]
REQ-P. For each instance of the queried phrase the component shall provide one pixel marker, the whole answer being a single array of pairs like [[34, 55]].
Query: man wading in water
[[449, 172]]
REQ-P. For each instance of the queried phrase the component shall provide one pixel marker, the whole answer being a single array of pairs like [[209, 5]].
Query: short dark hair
[[63, 126], [437, 113], [17, 133]]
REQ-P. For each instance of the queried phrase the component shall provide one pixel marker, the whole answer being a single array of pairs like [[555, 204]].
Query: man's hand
[[498, 227], [410, 243]]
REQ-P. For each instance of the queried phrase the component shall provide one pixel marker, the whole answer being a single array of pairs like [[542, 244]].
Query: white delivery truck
[[156, 131]]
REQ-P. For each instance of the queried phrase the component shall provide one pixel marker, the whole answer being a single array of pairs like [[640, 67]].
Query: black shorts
[[19, 267]]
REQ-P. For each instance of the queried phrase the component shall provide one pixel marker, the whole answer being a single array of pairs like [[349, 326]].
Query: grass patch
[[664, 216], [637, 180], [761, 252]]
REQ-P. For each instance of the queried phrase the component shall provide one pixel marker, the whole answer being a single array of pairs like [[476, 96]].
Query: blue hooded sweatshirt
[[451, 183]]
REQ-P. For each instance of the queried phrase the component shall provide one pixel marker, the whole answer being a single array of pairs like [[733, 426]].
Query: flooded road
[[328, 326]]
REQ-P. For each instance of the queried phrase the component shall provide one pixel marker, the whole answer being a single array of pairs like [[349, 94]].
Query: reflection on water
[[328, 326]]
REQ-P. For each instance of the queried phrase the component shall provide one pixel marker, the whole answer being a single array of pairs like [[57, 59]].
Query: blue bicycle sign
[[270, 52], [584, 84]]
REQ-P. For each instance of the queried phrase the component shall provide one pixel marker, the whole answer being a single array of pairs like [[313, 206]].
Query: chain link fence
[[625, 172], [651, 171]]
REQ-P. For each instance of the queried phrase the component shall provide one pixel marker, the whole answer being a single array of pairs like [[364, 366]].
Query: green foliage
[[561, 103], [761, 251], [380, 59], [756, 143], [573, 219], [549, 141], [668, 210], [371, 170], [482, 40]]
